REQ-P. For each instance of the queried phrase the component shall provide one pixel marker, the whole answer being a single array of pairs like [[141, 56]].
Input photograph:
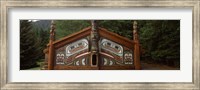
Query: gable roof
[[72, 37], [102, 33]]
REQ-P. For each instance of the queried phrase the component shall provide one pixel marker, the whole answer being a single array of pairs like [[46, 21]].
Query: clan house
[[93, 48]]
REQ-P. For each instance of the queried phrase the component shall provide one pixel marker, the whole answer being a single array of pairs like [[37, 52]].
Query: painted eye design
[[76, 47], [112, 47]]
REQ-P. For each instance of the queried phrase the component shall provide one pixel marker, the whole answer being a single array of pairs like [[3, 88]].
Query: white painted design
[[77, 63], [83, 61], [128, 58], [76, 47], [105, 61], [111, 63], [112, 47], [128, 62], [60, 59]]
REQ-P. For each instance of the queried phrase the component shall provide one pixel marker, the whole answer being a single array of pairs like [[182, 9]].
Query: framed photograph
[[119, 44]]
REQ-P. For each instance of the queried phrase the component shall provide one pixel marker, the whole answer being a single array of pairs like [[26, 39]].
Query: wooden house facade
[[93, 48]]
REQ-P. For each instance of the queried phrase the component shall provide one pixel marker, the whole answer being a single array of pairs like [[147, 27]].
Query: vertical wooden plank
[[51, 47], [136, 46]]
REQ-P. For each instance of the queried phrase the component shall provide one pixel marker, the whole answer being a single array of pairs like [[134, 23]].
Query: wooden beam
[[51, 47], [70, 39], [136, 46]]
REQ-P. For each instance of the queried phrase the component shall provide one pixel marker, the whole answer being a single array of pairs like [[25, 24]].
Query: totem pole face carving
[[135, 25], [60, 58], [94, 37], [94, 44], [128, 58], [52, 31]]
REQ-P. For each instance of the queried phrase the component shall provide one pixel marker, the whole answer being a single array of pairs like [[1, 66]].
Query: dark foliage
[[160, 39], [29, 46], [66, 27], [41, 30]]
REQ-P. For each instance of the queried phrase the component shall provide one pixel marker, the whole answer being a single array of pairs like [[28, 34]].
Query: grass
[[155, 66], [35, 68], [39, 62]]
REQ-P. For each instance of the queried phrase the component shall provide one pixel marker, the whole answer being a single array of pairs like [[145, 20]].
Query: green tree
[[41, 30], [66, 27], [121, 27], [161, 41], [44, 37], [29, 46]]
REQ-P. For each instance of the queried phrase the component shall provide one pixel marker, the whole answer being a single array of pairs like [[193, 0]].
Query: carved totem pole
[[51, 46], [94, 44], [136, 46]]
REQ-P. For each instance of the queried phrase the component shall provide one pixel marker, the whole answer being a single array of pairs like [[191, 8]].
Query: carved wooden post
[[51, 46], [136, 46], [94, 44]]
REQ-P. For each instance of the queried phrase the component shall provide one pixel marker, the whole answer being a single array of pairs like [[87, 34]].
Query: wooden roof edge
[[115, 34], [72, 35], [89, 28]]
